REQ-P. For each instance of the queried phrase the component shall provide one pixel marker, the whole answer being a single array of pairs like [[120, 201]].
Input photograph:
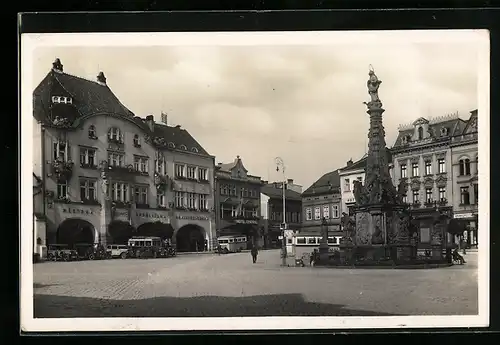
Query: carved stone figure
[[373, 84], [359, 193], [402, 190], [105, 186], [377, 236]]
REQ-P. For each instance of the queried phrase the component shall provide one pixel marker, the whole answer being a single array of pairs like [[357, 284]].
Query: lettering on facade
[[463, 215], [151, 215], [245, 221], [77, 211], [192, 217], [121, 215]]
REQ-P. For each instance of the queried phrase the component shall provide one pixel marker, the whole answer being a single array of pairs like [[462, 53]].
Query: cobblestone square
[[230, 285]]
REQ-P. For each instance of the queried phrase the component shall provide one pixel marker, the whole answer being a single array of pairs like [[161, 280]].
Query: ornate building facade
[[422, 158], [464, 155], [237, 202], [272, 210], [105, 174], [322, 200]]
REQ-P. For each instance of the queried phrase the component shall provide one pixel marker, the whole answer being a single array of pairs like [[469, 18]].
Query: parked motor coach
[[149, 247], [232, 244]]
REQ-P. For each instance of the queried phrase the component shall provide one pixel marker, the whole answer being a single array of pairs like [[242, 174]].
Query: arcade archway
[[159, 229], [120, 231], [72, 231], [190, 238]]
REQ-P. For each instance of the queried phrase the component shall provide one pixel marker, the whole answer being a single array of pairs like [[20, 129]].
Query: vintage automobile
[[61, 252], [92, 251], [117, 250], [149, 247]]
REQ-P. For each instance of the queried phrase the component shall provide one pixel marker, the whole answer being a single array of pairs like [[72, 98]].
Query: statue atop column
[[373, 84]]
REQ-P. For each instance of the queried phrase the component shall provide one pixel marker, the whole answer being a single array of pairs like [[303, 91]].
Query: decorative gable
[[428, 182]]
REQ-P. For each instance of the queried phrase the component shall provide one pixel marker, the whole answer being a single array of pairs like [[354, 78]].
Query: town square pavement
[[230, 285]]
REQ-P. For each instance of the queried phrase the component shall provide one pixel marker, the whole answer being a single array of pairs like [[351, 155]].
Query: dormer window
[[137, 141], [183, 147], [171, 145], [405, 139], [444, 131], [92, 134], [115, 135], [62, 99], [420, 133], [194, 149]]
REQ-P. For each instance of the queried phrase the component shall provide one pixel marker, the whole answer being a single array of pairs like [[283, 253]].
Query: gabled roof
[[179, 136], [471, 126], [92, 98], [227, 167], [452, 125], [271, 191], [329, 182], [89, 97]]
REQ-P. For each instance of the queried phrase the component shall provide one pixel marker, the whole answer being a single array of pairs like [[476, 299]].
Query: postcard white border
[[31, 41]]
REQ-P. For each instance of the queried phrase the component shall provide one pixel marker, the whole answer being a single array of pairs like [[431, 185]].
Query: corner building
[[465, 165], [422, 158], [102, 174]]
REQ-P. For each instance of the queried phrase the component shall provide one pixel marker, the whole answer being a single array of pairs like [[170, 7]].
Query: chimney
[[101, 79], [349, 162], [57, 66], [290, 181], [164, 118], [150, 121]]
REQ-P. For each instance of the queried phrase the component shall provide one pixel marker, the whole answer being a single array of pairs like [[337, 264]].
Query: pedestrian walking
[[254, 252]]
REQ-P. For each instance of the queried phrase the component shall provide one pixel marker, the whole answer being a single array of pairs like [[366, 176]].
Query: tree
[[120, 231]]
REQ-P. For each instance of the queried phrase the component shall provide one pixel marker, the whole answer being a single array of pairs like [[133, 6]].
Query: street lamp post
[[280, 163]]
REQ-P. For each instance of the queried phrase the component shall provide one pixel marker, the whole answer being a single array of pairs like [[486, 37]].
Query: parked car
[[61, 252], [117, 250], [91, 251]]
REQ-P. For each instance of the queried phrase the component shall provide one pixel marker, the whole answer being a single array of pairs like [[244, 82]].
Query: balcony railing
[[62, 170]]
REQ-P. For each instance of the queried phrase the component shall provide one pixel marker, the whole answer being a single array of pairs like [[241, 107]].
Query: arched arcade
[[191, 238], [74, 230]]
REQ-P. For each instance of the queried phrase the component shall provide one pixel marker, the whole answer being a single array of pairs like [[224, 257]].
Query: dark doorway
[[120, 231], [158, 229], [73, 231], [190, 238]]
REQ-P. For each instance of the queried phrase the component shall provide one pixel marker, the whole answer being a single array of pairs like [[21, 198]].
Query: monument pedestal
[[323, 252]]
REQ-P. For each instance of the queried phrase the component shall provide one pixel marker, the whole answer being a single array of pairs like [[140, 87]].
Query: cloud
[[303, 103]]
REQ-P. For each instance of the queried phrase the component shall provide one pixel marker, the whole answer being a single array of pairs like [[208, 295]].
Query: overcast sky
[[302, 103]]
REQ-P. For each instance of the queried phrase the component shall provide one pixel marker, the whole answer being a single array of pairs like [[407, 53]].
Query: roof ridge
[[78, 77]]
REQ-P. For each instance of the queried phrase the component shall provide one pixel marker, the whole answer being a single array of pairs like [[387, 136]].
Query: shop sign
[[151, 215], [74, 210], [192, 217], [463, 215], [121, 215], [245, 221]]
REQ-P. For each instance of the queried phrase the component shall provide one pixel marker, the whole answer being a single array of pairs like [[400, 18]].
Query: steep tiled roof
[[89, 97], [454, 125], [326, 183], [179, 136], [227, 167], [273, 192]]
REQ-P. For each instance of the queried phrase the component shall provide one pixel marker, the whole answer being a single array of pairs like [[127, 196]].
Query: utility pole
[[280, 163]]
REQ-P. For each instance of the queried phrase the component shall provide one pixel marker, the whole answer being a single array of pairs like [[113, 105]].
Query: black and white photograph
[[240, 181]]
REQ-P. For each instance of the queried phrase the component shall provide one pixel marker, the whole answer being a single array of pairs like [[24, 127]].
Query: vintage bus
[[232, 244], [304, 245]]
